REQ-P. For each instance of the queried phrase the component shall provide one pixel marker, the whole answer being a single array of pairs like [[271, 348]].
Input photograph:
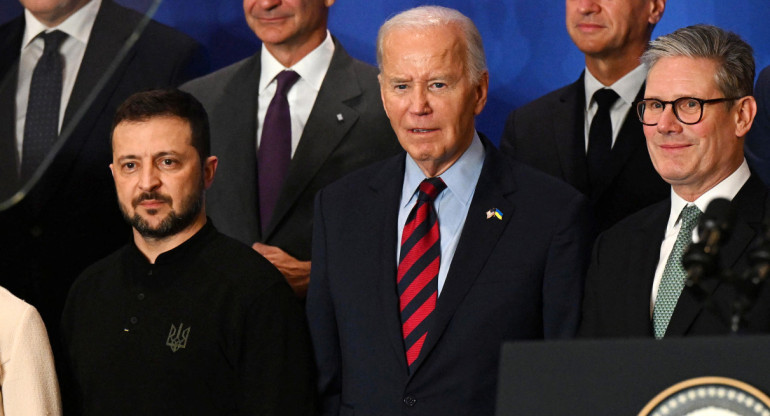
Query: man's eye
[[400, 87], [439, 85], [167, 162], [129, 165], [655, 105]]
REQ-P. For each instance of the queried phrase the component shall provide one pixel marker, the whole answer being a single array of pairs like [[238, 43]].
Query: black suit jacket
[[70, 218], [549, 134], [512, 279], [328, 148], [619, 282]]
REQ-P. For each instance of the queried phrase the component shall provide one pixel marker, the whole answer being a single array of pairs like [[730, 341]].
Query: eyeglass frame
[[673, 107]]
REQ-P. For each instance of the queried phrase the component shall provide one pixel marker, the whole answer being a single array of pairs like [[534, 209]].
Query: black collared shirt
[[210, 328]]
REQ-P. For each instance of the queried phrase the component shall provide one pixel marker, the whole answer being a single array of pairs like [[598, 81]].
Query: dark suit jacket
[[619, 283], [757, 144], [70, 218], [512, 279], [327, 150], [549, 134]]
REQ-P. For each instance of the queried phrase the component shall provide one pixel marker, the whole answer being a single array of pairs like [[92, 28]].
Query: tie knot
[[285, 81], [430, 188], [605, 97], [53, 40], [689, 217]]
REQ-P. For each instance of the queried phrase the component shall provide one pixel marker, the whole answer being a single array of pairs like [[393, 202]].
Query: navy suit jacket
[[512, 279], [70, 218], [757, 144], [347, 129], [549, 134], [619, 282]]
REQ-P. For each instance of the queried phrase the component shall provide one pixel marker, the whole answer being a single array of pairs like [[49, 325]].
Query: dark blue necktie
[[274, 155], [41, 125]]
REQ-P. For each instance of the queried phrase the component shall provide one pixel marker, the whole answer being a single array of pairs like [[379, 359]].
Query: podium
[[619, 376]]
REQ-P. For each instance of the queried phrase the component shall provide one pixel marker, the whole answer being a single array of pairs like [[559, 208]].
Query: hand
[[296, 272]]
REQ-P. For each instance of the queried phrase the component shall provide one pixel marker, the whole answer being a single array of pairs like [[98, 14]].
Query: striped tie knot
[[430, 188]]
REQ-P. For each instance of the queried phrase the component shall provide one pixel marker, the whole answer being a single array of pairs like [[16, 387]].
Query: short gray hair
[[425, 17], [735, 58]]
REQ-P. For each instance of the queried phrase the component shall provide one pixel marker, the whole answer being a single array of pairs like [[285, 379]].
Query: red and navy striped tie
[[418, 268]]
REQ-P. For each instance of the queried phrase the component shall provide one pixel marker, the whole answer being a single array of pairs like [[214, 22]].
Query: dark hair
[[145, 105]]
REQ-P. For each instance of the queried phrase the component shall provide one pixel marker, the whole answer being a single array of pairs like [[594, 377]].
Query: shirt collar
[[626, 87], [77, 26], [726, 189], [460, 178], [188, 249], [307, 67]]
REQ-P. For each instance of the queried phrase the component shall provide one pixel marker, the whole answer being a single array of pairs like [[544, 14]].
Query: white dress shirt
[[78, 27], [726, 189], [626, 87], [451, 205], [311, 69]]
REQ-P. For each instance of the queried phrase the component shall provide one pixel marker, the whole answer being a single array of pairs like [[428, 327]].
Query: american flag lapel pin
[[494, 213]]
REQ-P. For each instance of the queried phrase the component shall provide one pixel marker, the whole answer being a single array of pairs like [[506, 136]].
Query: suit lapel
[[329, 121], [569, 135], [478, 240], [10, 42], [748, 207], [640, 277], [386, 187], [630, 140]]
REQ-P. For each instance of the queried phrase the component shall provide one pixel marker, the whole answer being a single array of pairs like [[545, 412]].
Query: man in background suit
[[698, 107], [493, 250], [758, 139], [70, 217], [336, 122], [553, 133]]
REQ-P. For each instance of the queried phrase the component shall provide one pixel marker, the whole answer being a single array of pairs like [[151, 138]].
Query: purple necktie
[[41, 125], [274, 154]]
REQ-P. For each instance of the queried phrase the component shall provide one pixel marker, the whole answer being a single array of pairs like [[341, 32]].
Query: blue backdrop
[[528, 49]]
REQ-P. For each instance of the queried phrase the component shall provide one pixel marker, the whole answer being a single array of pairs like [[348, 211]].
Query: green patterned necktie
[[674, 275]]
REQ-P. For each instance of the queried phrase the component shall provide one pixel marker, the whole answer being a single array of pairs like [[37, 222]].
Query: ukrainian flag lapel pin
[[495, 213]]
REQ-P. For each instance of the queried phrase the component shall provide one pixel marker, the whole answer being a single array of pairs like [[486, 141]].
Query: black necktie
[[600, 135], [41, 125], [274, 155]]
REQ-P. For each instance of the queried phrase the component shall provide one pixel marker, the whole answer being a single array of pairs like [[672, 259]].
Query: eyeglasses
[[688, 110]]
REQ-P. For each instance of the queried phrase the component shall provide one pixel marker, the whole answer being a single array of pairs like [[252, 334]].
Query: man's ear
[[209, 170], [744, 115]]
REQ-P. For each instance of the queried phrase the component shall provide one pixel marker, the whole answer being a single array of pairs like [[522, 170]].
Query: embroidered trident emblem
[[177, 338]]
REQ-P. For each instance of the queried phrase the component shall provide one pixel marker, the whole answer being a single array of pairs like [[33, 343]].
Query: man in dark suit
[[698, 106], [490, 249], [554, 133], [336, 122], [758, 140], [70, 217]]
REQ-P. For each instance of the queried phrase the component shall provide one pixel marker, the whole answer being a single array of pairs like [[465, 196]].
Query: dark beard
[[173, 223]]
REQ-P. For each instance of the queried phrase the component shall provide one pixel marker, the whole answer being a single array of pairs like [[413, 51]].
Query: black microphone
[[700, 259]]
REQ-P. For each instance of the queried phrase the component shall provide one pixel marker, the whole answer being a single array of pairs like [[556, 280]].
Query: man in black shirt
[[185, 320]]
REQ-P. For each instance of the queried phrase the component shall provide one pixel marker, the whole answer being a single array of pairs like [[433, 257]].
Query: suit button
[[410, 401]]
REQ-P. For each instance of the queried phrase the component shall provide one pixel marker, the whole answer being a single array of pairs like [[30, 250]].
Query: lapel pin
[[340, 118], [496, 213]]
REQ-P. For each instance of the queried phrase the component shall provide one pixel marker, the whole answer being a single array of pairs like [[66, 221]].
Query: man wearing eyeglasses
[[697, 108]]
